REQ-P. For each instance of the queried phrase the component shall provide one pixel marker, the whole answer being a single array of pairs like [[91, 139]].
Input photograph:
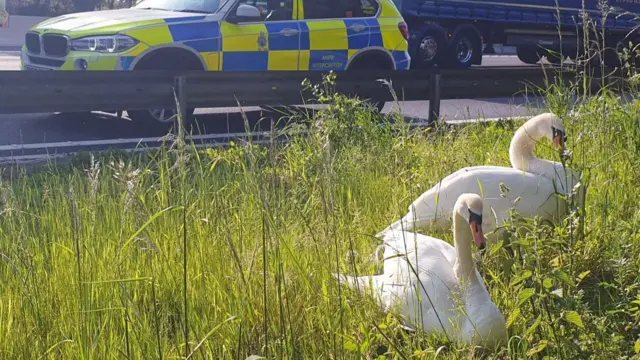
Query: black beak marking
[[473, 217], [557, 132]]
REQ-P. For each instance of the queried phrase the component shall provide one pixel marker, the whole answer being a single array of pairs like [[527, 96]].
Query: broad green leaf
[[350, 346], [547, 283], [520, 278], [541, 346], [637, 347], [535, 325], [513, 317], [525, 295], [564, 277], [574, 318], [365, 346], [583, 275]]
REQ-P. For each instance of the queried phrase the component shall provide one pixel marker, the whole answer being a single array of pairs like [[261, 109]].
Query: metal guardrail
[[71, 91]]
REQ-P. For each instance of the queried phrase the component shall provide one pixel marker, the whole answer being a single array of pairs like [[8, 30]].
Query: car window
[[332, 9], [367, 8], [273, 10]]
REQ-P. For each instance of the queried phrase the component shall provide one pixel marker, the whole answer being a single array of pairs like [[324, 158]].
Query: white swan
[[522, 151], [523, 144], [534, 186], [440, 282]]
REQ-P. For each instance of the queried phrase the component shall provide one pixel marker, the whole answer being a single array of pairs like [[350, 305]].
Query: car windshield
[[194, 6]]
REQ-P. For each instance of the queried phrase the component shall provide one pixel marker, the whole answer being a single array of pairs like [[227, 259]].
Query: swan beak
[[478, 235], [558, 141]]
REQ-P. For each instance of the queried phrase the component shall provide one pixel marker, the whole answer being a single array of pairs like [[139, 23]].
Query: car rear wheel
[[373, 62]]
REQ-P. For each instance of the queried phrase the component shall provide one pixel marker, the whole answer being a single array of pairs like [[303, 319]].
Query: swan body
[[536, 196], [534, 181], [430, 281]]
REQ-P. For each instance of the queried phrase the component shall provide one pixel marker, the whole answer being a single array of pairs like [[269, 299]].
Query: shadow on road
[[87, 126]]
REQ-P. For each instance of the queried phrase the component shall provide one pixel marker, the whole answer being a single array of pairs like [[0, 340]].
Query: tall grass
[[228, 253]]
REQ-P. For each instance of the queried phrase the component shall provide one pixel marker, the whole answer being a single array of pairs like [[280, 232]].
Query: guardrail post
[[434, 98]]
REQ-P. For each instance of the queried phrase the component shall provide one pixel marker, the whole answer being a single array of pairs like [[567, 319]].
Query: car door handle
[[357, 27], [289, 32]]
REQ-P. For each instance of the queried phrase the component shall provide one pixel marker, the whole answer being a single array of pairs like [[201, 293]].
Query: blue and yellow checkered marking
[[325, 60], [201, 36], [245, 60], [305, 42], [357, 39], [375, 35], [319, 44], [126, 61], [402, 60], [278, 41]]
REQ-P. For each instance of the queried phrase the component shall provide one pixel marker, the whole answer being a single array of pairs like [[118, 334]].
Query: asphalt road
[[39, 128]]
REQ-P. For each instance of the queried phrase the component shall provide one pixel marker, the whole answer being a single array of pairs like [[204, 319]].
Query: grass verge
[[110, 258]]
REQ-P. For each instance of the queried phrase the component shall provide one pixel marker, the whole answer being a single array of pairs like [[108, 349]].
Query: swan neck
[[463, 240], [522, 148]]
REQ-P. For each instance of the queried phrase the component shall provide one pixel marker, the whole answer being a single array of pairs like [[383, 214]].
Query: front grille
[[32, 41], [55, 45], [43, 61]]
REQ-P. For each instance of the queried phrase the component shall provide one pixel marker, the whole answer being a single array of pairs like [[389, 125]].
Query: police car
[[222, 35]]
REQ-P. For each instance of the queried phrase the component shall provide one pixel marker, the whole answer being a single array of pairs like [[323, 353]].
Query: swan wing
[[432, 207], [535, 194], [419, 279]]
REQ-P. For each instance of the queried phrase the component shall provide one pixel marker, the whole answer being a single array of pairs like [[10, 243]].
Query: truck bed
[[534, 12]]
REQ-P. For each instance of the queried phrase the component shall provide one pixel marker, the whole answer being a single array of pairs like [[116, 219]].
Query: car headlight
[[104, 44]]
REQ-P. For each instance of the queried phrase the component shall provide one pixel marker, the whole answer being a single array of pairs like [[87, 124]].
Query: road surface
[[39, 128]]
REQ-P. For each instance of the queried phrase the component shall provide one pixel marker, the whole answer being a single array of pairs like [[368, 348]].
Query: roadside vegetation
[[228, 253]]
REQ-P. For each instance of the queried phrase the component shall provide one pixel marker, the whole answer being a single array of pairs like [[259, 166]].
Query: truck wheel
[[529, 54], [463, 48], [430, 50]]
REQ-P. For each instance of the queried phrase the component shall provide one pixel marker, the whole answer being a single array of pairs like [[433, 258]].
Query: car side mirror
[[246, 13]]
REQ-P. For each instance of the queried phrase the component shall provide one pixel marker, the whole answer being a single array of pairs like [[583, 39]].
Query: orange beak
[[478, 235], [558, 141]]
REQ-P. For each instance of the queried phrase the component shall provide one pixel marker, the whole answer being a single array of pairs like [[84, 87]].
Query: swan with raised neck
[[467, 213], [441, 276], [523, 144], [522, 148], [482, 321]]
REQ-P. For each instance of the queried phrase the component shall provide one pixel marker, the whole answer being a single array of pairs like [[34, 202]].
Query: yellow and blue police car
[[222, 35]]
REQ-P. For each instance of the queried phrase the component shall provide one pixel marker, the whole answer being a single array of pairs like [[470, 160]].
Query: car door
[[270, 42], [332, 32]]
